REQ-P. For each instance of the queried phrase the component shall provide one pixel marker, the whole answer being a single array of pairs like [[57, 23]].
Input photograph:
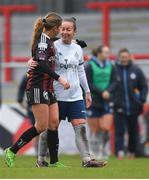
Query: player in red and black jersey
[[40, 80], [44, 53], [40, 83]]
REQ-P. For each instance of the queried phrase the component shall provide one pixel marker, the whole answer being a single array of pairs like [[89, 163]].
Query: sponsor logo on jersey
[[41, 55], [67, 65], [52, 58], [45, 95], [76, 55]]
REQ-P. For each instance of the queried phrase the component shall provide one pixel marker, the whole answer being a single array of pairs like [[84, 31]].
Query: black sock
[[26, 137], [53, 145]]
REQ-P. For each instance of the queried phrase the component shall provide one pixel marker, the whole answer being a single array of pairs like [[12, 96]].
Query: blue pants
[[121, 123]]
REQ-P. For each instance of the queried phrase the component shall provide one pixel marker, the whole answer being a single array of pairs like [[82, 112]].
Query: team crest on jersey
[[52, 58], [41, 55], [45, 95], [42, 45], [76, 55]]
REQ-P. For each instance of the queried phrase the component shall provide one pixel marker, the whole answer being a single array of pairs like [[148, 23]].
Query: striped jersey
[[44, 53]]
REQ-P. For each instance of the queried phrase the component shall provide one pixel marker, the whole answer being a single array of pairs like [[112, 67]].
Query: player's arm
[[82, 74], [83, 81], [33, 64], [42, 57]]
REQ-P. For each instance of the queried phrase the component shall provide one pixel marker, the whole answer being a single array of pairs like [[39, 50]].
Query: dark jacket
[[97, 100], [131, 90], [21, 91], [22, 88]]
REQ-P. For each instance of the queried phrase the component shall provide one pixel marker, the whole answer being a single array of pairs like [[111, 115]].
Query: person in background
[[146, 144], [101, 78], [20, 99], [129, 96]]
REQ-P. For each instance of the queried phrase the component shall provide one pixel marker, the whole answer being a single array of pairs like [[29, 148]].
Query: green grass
[[25, 168]]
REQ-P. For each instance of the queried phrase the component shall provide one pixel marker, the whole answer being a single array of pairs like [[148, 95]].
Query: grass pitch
[[25, 168]]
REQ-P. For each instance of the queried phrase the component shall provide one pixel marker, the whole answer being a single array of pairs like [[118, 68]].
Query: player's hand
[[106, 95], [32, 64], [64, 83], [81, 43], [88, 99]]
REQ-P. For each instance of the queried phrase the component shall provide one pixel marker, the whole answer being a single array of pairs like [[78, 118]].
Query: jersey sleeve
[[42, 56], [81, 57]]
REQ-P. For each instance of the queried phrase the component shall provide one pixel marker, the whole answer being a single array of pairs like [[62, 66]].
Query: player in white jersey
[[69, 64]]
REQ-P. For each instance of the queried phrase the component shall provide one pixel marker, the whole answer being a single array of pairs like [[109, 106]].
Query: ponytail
[[48, 22], [38, 28]]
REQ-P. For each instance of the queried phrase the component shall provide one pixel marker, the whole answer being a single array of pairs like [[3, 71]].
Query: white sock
[[82, 142]]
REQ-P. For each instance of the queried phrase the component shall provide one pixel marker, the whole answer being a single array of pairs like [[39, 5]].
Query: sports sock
[[106, 144], [96, 144], [42, 146], [53, 145], [82, 142], [26, 137]]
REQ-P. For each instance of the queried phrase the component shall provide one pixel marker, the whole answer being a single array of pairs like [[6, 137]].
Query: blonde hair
[[48, 22]]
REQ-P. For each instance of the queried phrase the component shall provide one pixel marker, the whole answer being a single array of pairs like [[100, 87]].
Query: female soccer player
[[101, 78], [69, 64], [40, 83]]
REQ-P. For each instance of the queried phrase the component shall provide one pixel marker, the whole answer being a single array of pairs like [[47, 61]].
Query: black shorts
[[39, 96]]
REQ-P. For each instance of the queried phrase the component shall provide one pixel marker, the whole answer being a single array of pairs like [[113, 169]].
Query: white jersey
[[68, 59]]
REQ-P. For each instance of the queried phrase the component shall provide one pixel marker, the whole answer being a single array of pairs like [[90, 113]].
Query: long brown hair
[[49, 21]]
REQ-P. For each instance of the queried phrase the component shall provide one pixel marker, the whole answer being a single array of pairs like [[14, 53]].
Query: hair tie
[[44, 20], [73, 18]]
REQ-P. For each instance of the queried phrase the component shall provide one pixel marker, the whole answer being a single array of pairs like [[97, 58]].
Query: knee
[[53, 125], [106, 124], [94, 128], [105, 127], [78, 122], [41, 127]]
